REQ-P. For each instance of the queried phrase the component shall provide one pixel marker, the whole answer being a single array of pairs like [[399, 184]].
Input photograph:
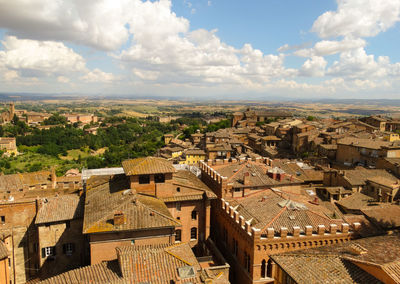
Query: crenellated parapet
[[322, 235]]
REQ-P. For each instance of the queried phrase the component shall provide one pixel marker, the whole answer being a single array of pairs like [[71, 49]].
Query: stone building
[[377, 183], [353, 151], [8, 115], [61, 243], [8, 145], [81, 118], [251, 117], [376, 121]]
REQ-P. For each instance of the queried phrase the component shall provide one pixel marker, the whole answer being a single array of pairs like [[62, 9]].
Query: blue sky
[[219, 49]]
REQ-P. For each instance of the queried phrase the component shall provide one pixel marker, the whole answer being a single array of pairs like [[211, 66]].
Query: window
[[193, 233], [178, 189], [68, 248], [48, 251], [144, 179], [160, 178], [194, 215], [235, 247], [3, 219], [178, 235], [178, 218], [178, 206], [67, 224]]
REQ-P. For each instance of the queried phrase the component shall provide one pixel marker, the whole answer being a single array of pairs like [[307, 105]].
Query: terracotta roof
[[190, 188], [276, 209], [367, 143], [360, 175], [18, 181], [257, 174], [146, 166], [309, 269], [3, 250], [158, 263], [60, 208], [112, 196], [105, 272], [380, 250], [356, 201], [195, 152], [387, 216]]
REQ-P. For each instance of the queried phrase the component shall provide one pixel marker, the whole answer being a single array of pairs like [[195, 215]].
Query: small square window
[[68, 248], [144, 179], [2, 219], [132, 242]]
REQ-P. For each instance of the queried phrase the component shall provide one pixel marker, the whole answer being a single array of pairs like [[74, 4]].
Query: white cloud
[[32, 58], [62, 79], [96, 75], [100, 24], [358, 64], [209, 3], [314, 67], [358, 18]]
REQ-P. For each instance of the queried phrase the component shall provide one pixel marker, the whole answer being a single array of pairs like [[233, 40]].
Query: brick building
[[238, 178], [186, 197], [115, 215], [4, 264], [368, 260], [160, 263], [61, 243], [252, 228], [37, 183], [19, 236]]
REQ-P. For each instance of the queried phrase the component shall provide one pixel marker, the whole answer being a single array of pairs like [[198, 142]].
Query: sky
[[220, 49]]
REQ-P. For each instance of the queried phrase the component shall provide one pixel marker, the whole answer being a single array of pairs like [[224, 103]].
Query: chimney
[[246, 178], [119, 218], [53, 178]]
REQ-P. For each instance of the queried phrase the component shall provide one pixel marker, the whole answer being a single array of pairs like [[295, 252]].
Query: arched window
[[178, 235], [263, 269], [193, 233], [269, 269]]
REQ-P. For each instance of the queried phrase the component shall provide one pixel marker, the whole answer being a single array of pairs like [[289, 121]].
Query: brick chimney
[[119, 218], [246, 178], [53, 177]]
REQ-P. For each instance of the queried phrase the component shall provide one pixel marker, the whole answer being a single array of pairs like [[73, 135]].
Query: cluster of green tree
[[125, 138], [222, 124], [55, 119], [16, 127]]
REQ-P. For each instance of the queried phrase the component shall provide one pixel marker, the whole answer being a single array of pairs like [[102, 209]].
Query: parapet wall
[[206, 166], [255, 233]]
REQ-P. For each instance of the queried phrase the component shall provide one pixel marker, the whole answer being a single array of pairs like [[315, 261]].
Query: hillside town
[[271, 198]]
